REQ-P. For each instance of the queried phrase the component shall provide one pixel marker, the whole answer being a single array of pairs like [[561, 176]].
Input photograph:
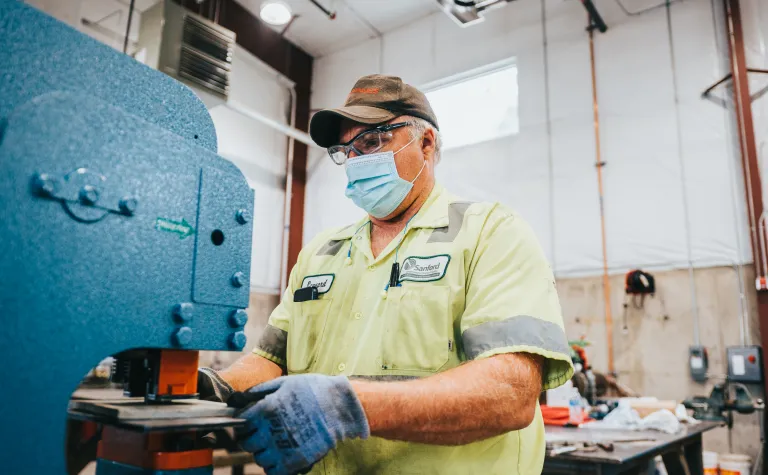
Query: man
[[417, 340]]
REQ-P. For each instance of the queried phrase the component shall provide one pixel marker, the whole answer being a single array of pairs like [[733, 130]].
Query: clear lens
[[367, 143], [372, 142], [338, 154]]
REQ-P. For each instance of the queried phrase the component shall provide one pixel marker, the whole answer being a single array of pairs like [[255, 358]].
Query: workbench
[[628, 458]]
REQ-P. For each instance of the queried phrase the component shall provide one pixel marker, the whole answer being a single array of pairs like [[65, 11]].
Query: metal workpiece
[[87, 275], [126, 409], [108, 467]]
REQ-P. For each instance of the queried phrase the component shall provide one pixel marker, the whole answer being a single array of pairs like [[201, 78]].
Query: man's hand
[[298, 419]]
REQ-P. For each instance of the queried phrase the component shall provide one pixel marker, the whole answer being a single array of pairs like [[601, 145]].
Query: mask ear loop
[[401, 148], [422, 166], [348, 260]]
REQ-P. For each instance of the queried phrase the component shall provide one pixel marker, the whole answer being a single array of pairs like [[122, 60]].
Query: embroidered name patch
[[321, 282], [424, 269]]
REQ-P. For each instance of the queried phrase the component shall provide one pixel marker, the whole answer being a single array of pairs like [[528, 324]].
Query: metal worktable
[[628, 458]]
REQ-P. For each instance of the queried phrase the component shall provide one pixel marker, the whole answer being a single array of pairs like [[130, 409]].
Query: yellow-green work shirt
[[474, 283]]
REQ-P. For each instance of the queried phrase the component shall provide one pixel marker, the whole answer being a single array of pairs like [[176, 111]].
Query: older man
[[416, 340]]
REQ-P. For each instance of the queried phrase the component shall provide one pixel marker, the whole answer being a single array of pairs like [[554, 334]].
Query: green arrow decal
[[183, 229]]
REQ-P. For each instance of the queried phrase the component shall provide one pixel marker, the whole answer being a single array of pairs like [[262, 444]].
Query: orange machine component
[[177, 374], [150, 450]]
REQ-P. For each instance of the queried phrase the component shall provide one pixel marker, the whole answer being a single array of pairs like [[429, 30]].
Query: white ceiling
[[356, 20]]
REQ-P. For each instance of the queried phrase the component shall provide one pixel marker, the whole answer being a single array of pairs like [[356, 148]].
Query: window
[[476, 109]]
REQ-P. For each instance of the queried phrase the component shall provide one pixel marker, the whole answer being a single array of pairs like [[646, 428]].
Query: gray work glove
[[211, 387], [293, 421]]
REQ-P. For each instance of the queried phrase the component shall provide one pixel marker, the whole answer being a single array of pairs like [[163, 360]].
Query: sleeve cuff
[[523, 334], [272, 345], [557, 370], [275, 359]]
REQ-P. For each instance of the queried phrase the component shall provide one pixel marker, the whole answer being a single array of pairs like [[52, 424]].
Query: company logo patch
[[321, 282], [424, 269]]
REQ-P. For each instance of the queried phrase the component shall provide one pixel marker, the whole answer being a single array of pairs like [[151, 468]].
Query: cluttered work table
[[572, 450]]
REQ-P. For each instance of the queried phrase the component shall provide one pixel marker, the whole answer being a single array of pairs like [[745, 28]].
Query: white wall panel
[[756, 47], [577, 219], [334, 75], [410, 52], [512, 170]]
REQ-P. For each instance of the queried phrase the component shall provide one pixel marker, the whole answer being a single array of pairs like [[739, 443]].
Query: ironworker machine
[[123, 233]]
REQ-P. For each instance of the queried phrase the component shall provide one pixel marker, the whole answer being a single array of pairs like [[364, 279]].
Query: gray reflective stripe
[[273, 341], [385, 377], [331, 248], [514, 331], [448, 233]]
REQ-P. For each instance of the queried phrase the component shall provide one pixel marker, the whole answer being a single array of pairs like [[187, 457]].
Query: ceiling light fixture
[[275, 13]]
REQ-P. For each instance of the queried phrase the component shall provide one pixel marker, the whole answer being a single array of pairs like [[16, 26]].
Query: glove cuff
[[347, 409], [221, 388]]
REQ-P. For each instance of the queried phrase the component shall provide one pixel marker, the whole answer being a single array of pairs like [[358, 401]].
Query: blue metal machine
[[120, 227]]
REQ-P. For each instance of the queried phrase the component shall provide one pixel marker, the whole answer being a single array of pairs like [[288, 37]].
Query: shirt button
[[371, 268], [342, 366], [359, 237], [358, 316]]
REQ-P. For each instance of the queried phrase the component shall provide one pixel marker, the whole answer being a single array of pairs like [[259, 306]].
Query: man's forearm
[[475, 401], [250, 370]]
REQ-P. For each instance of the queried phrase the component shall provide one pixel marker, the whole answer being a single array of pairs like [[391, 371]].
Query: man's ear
[[428, 142]]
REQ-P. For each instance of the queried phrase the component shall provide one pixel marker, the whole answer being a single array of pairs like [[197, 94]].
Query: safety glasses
[[366, 142]]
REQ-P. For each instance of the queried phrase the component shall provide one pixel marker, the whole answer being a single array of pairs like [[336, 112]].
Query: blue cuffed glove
[[298, 419]]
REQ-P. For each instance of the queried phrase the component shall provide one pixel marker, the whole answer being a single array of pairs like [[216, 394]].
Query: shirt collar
[[433, 214], [434, 211]]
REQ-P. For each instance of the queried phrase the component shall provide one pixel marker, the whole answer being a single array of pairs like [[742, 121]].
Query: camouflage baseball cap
[[373, 100]]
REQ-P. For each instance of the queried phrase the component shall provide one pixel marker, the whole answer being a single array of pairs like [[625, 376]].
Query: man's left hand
[[298, 419]]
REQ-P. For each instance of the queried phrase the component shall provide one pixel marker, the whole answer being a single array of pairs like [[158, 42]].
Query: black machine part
[[698, 363], [638, 282], [138, 372]]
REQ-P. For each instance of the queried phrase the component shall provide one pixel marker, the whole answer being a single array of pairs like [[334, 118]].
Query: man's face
[[409, 161]]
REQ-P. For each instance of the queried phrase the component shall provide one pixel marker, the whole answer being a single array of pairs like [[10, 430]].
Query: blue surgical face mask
[[374, 184]]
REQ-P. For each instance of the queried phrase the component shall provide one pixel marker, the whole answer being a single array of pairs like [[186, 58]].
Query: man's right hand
[[211, 386]]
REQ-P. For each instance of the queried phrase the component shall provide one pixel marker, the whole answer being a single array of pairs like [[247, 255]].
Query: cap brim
[[325, 125]]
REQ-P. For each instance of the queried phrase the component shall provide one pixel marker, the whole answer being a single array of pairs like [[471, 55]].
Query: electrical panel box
[[745, 364], [698, 363]]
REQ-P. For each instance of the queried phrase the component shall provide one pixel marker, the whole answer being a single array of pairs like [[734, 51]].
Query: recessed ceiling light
[[275, 13]]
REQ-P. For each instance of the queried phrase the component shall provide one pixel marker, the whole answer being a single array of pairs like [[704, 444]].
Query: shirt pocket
[[418, 330], [305, 333]]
